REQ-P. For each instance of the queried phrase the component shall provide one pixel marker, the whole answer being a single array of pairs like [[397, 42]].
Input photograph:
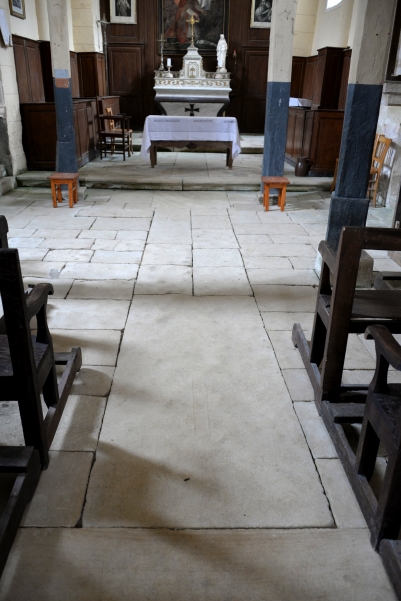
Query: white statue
[[222, 54]]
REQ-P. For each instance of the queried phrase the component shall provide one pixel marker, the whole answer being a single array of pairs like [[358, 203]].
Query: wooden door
[[125, 80], [254, 91]]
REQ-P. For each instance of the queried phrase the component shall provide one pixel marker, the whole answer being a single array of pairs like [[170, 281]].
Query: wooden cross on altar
[[192, 22]]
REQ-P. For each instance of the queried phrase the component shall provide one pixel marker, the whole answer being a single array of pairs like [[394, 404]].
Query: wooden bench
[[64, 179], [280, 183], [342, 310], [28, 363], [381, 423]]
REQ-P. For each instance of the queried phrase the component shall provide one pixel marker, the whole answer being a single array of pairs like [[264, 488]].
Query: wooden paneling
[[29, 70], [254, 90], [92, 74], [344, 79], [322, 139], [327, 78], [297, 76], [74, 75], [125, 80], [40, 133], [295, 132], [309, 77], [45, 55]]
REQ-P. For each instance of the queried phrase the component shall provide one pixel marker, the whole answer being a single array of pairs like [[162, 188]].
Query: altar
[[192, 91], [191, 132]]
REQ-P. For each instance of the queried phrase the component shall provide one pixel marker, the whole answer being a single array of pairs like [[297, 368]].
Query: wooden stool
[[69, 179], [274, 182]]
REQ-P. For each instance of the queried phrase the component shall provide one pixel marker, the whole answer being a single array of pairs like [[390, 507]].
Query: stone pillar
[[349, 205], [278, 85], [66, 158]]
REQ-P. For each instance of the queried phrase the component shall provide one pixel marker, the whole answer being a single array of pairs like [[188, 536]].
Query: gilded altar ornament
[[192, 22]]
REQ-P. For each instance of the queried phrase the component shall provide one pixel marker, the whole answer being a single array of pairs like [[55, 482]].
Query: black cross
[[191, 110]]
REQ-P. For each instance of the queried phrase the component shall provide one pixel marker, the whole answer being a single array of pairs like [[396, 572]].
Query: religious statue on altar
[[192, 90]]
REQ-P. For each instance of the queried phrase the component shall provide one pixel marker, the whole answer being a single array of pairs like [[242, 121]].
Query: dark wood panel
[[29, 70], [254, 90], [310, 67], [326, 140], [327, 79], [74, 75], [295, 132], [297, 76], [126, 80], [344, 79], [92, 74], [40, 133]]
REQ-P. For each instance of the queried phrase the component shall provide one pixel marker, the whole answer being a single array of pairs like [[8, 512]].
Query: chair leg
[[59, 197], [54, 195], [283, 196], [70, 196], [266, 196]]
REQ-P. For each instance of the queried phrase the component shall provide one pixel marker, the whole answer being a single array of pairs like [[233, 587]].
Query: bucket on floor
[[302, 167]]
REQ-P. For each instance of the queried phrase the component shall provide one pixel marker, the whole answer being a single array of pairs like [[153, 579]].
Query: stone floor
[[190, 462]]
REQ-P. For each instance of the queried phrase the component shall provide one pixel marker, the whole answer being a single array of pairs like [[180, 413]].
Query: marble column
[[349, 205], [66, 158], [278, 85]]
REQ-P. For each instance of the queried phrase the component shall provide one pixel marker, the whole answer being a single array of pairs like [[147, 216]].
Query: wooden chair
[[380, 148], [381, 424], [28, 363], [280, 183], [111, 136], [341, 310], [24, 464]]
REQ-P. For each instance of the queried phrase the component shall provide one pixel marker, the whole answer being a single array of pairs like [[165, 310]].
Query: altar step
[[38, 179]]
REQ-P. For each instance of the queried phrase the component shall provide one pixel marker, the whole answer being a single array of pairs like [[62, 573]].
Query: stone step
[[160, 182], [7, 184]]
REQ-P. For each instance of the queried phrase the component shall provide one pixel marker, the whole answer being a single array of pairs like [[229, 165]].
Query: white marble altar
[[192, 91]]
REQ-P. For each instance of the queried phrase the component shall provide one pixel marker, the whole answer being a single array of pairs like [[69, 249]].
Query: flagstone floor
[[190, 463]]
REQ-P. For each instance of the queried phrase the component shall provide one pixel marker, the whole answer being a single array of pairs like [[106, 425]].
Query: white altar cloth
[[193, 129]]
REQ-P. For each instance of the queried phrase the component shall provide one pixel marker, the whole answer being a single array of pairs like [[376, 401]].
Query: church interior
[[200, 281]]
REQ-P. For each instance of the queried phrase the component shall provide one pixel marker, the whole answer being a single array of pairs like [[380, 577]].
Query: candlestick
[[169, 62]]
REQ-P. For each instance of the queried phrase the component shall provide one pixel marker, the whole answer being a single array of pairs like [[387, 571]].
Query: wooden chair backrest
[[111, 124], [380, 148], [3, 232]]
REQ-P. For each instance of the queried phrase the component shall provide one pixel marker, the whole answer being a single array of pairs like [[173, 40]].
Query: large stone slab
[[61, 222], [80, 424], [119, 223], [99, 347], [214, 239], [225, 257], [194, 425], [167, 254], [60, 494], [316, 435], [226, 281], [82, 314], [100, 271], [117, 258], [285, 298], [289, 277], [164, 279], [102, 289], [72, 564]]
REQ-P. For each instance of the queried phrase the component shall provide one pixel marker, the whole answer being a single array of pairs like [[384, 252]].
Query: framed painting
[[123, 11], [173, 24], [261, 13], [17, 8]]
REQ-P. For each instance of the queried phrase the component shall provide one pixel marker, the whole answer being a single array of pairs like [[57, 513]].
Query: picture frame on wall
[[123, 11], [17, 8], [174, 14], [261, 14]]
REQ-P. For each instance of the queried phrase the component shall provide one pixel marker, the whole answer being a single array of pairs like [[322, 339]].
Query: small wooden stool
[[274, 182], [69, 179]]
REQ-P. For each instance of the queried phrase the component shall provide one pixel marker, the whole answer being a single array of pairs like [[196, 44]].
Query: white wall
[[43, 20], [27, 28], [304, 27], [333, 26], [13, 116], [85, 14]]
